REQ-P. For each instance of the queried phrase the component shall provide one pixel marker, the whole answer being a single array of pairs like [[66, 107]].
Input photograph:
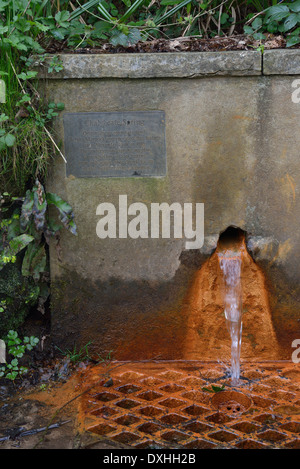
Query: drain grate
[[163, 405]]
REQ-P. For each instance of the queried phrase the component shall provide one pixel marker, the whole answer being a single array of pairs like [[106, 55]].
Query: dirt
[[44, 417], [180, 44]]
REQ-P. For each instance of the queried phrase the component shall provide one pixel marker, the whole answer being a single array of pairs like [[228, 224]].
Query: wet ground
[[192, 405], [146, 405]]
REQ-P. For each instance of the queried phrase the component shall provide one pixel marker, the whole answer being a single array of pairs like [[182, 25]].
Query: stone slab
[[281, 62], [159, 65], [115, 144]]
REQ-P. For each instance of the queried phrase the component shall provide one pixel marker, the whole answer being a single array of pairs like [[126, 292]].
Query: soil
[[181, 44], [34, 416]]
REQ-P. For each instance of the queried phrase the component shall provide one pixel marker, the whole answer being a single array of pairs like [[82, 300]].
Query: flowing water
[[230, 263]]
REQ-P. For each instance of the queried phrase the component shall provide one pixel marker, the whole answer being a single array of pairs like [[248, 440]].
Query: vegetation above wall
[[48, 25]]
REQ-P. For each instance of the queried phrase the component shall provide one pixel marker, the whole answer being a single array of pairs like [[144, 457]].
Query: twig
[[34, 431], [233, 13], [260, 13], [219, 20]]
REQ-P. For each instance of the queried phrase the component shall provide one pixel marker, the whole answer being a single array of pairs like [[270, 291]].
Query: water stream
[[230, 263]]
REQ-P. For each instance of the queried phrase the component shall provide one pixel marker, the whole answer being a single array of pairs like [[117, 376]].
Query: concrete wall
[[232, 143]]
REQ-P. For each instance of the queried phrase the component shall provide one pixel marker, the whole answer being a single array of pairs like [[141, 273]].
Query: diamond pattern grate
[[163, 405]]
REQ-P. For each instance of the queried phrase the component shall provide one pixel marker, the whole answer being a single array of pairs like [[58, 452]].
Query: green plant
[[21, 122], [43, 387], [105, 360], [29, 225], [24, 117], [17, 295], [75, 355], [283, 18], [26, 228], [55, 65], [16, 349], [214, 389], [172, 18]]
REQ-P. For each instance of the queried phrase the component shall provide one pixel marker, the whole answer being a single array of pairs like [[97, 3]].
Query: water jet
[[227, 291], [230, 259]]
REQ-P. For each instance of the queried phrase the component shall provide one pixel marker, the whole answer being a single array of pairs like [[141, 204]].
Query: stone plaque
[[115, 144]]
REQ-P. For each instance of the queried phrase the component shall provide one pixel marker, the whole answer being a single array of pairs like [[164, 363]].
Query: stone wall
[[232, 143]]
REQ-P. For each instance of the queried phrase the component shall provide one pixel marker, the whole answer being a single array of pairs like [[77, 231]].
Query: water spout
[[230, 264]]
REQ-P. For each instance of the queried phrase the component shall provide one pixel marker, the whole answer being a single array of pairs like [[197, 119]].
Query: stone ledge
[[281, 62], [158, 65]]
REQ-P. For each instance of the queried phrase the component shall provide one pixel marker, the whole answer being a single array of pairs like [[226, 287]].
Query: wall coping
[[281, 62], [174, 65]]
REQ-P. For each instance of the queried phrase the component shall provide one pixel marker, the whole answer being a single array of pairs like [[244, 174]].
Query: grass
[[21, 163]]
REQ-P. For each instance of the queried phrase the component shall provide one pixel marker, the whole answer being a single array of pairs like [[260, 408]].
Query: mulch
[[181, 44]]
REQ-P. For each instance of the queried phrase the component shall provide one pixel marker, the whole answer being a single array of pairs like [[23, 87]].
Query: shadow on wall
[[207, 336]]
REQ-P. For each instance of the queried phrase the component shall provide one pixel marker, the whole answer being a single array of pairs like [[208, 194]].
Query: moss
[[18, 294]]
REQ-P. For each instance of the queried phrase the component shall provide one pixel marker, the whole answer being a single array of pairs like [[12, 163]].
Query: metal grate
[[163, 405]]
